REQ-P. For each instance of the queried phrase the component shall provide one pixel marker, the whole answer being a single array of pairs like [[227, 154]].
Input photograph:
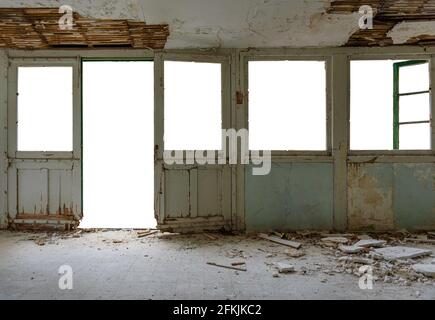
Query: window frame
[[249, 56], [386, 54], [15, 64], [396, 98], [226, 118]]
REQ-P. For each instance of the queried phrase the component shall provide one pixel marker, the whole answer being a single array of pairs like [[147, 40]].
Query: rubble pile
[[398, 258]]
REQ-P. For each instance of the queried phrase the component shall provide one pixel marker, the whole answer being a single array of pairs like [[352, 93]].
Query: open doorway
[[118, 144]]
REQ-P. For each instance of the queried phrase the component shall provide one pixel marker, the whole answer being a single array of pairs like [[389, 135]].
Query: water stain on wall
[[370, 198]]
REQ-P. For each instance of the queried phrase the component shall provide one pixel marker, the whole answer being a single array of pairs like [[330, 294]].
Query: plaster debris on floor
[[215, 265]]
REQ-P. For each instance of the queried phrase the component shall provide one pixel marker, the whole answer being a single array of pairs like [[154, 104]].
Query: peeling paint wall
[[293, 196], [370, 197], [388, 196], [225, 23]]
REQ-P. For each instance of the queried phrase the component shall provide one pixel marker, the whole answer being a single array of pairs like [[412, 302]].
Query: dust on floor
[[127, 264]]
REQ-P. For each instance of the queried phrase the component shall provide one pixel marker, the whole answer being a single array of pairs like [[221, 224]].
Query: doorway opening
[[118, 144]]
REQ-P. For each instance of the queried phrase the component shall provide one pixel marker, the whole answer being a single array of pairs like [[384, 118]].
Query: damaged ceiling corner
[[394, 22]]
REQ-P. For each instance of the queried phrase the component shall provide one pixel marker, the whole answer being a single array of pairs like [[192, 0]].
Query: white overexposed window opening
[[118, 144], [287, 105], [193, 106], [372, 106], [45, 109]]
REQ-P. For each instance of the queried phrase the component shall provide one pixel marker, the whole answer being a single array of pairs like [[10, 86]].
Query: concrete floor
[[119, 265]]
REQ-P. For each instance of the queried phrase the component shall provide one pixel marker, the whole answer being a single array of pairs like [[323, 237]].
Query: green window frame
[[396, 99]]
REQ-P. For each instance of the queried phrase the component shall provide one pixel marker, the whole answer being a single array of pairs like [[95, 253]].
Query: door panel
[[191, 196], [44, 187], [177, 200], [32, 192]]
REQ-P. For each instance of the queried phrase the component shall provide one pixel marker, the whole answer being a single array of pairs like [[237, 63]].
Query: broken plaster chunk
[[335, 239], [350, 249], [284, 267], [370, 243], [426, 269], [294, 253], [284, 242], [394, 253]]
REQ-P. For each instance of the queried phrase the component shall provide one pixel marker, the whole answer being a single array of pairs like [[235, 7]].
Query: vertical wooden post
[[240, 88], [340, 74], [159, 177], [432, 99], [3, 139]]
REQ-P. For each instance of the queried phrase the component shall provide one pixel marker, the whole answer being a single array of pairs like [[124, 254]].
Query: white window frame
[[16, 63], [246, 57], [160, 59]]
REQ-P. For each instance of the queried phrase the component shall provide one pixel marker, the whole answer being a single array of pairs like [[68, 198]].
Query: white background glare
[[45, 109], [193, 106], [287, 105], [118, 144], [371, 106]]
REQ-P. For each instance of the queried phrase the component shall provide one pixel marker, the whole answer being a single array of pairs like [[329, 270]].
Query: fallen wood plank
[[238, 263], [146, 234], [211, 237], [143, 231], [284, 242], [227, 267]]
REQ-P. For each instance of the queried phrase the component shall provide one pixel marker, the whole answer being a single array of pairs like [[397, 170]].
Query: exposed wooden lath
[[387, 13], [38, 28]]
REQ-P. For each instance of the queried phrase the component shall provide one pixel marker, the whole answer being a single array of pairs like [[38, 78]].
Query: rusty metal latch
[[239, 97]]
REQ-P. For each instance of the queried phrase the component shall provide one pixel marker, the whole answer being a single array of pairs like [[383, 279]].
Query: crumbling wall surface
[[370, 197], [225, 23], [293, 196], [385, 196]]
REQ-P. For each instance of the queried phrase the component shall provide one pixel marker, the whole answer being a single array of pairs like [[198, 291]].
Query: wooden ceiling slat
[[38, 28]]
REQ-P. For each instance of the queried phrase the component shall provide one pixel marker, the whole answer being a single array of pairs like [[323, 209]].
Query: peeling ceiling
[[395, 22], [263, 23], [224, 23]]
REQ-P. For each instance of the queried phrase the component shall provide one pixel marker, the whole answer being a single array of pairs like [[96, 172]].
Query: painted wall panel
[[386, 196], [293, 196], [414, 196]]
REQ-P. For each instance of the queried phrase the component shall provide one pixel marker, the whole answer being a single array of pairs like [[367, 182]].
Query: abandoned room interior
[[201, 149]]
